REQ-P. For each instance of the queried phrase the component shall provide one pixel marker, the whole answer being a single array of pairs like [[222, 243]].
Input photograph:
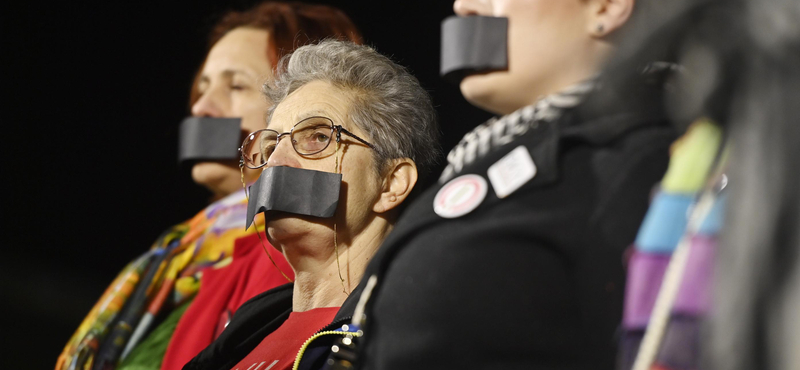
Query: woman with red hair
[[171, 302], [245, 48]]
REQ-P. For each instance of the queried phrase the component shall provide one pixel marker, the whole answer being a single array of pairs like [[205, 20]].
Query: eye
[[320, 137], [238, 83], [267, 150], [202, 86]]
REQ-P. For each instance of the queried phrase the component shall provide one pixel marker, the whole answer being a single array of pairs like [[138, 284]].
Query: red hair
[[289, 26]]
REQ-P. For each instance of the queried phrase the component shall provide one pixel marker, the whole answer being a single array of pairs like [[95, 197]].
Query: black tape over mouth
[[472, 45], [294, 190], [206, 138]]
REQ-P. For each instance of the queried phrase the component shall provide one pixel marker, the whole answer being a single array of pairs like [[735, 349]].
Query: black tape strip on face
[[294, 190], [473, 44], [205, 138]]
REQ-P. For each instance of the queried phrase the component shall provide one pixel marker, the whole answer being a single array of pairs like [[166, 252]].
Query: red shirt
[[221, 293], [278, 350]]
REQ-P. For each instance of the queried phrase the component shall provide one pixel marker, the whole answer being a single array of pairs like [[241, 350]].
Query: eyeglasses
[[310, 137]]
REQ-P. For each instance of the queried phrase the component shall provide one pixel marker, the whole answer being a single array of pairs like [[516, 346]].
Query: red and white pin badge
[[460, 196]]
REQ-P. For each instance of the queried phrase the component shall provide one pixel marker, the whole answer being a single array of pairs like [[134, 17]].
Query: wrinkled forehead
[[317, 98]]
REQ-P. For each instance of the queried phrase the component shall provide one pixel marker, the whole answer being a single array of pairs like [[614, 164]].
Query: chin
[[482, 91], [283, 227], [496, 92], [215, 176]]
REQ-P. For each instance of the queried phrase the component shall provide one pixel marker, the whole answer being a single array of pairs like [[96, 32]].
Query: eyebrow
[[309, 114], [228, 73], [233, 72]]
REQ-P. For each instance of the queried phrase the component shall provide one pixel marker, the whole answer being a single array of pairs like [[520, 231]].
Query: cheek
[[541, 31], [252, 110], [327, 164], [528, 42], [362, 182], [358, 164]]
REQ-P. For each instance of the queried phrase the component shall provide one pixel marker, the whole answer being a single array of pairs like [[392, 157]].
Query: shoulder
[[551, 182]]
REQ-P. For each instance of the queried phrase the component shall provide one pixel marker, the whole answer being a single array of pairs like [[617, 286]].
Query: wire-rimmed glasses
[[310, 137]]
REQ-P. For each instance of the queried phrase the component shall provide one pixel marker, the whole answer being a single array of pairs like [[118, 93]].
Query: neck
[[584, 66], [318, 276]]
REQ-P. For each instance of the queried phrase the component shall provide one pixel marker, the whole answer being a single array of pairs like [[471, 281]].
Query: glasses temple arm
[[354, 136]]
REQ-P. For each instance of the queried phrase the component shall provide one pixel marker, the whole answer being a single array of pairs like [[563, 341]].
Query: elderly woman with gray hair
[[346, 110]]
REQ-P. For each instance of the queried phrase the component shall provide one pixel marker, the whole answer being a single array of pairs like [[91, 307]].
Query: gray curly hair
[[389, 104]]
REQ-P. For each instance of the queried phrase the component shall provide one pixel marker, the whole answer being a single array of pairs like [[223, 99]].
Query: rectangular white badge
[[512, 171]]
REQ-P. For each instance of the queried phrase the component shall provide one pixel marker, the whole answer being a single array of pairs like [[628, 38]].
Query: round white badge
[[460, 196]]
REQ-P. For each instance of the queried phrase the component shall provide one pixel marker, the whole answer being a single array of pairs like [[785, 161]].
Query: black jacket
[[534, 280], [256, 319]]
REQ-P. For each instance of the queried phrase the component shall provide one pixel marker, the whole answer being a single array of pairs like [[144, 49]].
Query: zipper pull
[[343, 351]]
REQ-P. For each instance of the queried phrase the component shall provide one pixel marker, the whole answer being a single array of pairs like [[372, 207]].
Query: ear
[[398, 182], [606, 16]]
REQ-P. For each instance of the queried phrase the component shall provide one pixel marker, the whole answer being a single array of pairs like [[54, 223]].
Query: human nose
[[472, 7], [211, 103], [284, 154]]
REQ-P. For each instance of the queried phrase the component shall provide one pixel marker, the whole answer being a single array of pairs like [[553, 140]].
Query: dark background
[[94, 92]]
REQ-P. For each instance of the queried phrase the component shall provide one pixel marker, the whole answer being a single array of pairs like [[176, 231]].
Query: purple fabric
[[679, 350], [645, 272], [694, 296]]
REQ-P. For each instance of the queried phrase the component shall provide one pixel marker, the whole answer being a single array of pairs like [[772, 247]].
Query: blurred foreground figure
[[514, 259], [709, 287], [172, 301], [757, 323]]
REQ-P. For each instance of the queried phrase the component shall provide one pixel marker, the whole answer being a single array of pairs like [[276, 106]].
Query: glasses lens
[[257, 147], [312, 135]]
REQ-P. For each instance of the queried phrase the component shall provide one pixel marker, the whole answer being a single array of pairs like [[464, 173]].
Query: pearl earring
[[600, 28]]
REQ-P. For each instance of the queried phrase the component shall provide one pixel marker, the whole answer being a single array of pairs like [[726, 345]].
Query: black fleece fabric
[[534, 280]]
